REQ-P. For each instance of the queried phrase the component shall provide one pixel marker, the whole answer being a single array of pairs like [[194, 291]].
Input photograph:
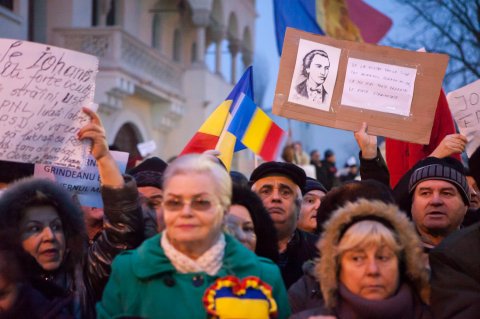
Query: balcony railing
[[118, 50]]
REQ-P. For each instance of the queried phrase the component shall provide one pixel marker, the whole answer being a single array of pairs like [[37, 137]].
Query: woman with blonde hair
[[179, 273], [371, 265]]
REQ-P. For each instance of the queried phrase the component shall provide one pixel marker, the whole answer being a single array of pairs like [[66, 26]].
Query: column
[[201, 19], [234, 48]]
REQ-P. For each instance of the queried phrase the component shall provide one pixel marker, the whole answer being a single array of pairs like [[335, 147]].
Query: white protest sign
[[84, 183], [378, 86], [147, 148], [42, 91], [464, 104]]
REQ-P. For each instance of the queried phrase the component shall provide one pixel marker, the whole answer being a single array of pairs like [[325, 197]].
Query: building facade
[[153, 82]]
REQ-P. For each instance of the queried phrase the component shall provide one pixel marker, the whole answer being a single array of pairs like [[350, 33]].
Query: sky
[[266, 60]]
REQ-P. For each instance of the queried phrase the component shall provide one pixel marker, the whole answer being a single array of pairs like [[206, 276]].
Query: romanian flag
[[352, 20], [235, 124]]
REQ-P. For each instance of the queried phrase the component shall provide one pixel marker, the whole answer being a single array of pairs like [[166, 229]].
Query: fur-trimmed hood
[[15, 199], [327, 267]]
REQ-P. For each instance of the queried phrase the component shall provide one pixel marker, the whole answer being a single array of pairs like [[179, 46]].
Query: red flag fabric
[[401, 156]]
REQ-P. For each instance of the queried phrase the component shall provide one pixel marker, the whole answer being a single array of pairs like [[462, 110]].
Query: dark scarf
[[403, 305]]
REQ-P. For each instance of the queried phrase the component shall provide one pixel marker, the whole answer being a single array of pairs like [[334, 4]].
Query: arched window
[[127, 139]]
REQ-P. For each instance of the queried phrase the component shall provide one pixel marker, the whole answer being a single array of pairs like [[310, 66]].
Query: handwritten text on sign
[[465, 106], [42, 91], [378, 86], [84, 183]]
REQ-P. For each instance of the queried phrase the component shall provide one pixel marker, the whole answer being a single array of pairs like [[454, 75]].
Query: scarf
[[210, 262], [404, 304]]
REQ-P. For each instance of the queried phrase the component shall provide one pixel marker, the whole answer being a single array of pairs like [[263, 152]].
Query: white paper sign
[[42, 91], [378, 86], [147, 148], [84, 183], [464, 104]]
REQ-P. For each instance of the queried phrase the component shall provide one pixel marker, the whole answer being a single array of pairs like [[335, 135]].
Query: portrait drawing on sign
[[311, 84]]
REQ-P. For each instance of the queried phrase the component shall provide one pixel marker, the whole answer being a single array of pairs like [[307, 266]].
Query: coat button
[[197, 281], [169, 281]]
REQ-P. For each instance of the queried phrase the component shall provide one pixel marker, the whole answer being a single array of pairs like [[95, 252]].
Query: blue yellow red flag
[[352, 20], [235, 124]]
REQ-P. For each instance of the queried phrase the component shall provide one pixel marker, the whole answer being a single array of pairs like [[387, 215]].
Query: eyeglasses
[[177, 204]]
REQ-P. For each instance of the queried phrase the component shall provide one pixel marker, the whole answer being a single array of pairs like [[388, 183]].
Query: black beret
[[149, 172], [313, 184], [292, 171]]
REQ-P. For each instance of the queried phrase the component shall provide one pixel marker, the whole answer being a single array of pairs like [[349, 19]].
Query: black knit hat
[[313, 184], [292, 171], [447, 169], [149, 172]]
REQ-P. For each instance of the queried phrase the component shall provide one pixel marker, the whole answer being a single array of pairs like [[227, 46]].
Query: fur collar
[[327, 267]]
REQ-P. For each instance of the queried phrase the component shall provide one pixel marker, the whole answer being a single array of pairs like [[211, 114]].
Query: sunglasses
[[177, 204]]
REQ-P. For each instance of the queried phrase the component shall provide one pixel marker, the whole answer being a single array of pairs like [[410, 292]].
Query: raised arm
[[450, 144], [123, 222], [107, 167], [372, 164]]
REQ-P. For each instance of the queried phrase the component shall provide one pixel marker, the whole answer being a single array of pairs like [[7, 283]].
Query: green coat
[[145, 284]]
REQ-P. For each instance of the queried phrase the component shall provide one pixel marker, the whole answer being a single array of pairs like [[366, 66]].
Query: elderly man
[[313, 192], [440, 198], [279, 186]]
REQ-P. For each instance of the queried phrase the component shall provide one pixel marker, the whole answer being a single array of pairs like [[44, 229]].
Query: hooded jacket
[[85, 269], [413, 272]]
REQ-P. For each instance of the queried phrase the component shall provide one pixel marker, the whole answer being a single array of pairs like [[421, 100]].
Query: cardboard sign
[[42, 91], [84, 183], [341, 84], [465, 106]]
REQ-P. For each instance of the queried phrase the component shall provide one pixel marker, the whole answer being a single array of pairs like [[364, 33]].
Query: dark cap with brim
[[289, 170]]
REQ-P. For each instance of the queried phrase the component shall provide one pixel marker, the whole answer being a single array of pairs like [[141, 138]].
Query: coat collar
[[150, 260]]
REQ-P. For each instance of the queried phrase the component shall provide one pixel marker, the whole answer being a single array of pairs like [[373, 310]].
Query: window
[[177, 45], [156, 31], [7, 4]]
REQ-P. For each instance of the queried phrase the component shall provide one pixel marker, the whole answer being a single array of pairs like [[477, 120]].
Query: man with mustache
[[279, 186], [440, 198], [316, 65]]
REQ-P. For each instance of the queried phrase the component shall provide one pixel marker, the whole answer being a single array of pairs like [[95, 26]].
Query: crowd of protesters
[[188, 239]]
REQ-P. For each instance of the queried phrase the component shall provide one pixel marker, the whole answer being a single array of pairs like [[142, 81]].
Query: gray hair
[[202, 164]]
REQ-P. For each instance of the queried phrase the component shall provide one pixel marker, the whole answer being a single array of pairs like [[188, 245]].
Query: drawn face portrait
[[318, 70], [313, 79]]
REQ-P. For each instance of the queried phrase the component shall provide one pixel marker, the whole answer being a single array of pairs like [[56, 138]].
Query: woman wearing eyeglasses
[[168, 275]]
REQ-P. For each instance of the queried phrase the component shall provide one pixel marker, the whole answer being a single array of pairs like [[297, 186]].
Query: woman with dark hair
[[49, 225], [18, 299], [249, 222]]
